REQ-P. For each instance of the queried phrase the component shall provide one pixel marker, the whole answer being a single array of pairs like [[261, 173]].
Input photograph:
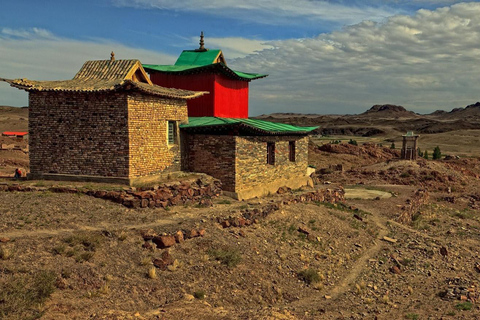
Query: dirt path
[[360, 264], [338, 290], [57, 232]]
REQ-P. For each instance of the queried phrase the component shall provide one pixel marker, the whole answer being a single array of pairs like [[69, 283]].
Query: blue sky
[[322, 56]]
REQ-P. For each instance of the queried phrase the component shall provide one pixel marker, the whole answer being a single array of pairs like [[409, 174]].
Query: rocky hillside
[[389, 110]]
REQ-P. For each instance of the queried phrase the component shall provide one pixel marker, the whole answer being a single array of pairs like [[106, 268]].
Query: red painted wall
[[231, 98], [198, 107], [228, 98]]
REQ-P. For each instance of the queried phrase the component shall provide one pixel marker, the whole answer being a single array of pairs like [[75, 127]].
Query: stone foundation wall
[[213, 155], [252, 169], [78, 133], [150, 152]]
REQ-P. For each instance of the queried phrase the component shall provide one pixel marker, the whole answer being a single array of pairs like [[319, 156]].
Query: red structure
[[206, 70]]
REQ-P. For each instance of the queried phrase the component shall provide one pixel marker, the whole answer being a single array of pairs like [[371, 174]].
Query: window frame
[[292, 151], [172, 141], [271, 153]]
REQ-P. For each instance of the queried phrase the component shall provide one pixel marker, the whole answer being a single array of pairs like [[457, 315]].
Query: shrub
[[353, 142], [199, 294], [437, 154], [229, 257], [309, 276], [392, 146], [5, 253], [152, 273], [425, 154], [22, 298], [464, 306], [411, 316]]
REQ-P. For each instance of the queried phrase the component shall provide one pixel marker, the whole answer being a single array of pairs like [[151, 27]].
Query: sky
[[323, 57]]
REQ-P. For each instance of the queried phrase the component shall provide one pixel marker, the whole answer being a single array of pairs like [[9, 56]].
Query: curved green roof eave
[[255, 124], [189, 69]]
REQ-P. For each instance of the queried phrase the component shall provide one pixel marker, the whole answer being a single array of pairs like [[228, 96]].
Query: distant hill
[[388, 110], [471, 112], [13, 119]]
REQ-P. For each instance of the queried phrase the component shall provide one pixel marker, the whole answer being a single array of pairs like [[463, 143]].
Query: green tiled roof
[[260, 126], [197, 58], [190, 69]]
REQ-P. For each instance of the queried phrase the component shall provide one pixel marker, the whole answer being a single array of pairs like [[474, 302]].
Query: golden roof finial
[[112, 56], [202, 44]]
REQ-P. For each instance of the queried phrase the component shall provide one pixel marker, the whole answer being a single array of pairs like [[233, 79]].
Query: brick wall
[[211, 154], [78, 133], [102, 134], [252, 169], [241, 162], [147, 126]]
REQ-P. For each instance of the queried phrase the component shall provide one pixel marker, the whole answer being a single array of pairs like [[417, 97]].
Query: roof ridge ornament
[[112, 56], [202, 44]]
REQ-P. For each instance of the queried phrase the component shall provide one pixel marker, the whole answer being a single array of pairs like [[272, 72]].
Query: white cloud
[[271, 11], [39, 55], [425, 62], [235, 47]]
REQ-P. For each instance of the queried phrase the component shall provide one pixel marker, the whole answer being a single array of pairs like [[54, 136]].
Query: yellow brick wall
[[149, 151]]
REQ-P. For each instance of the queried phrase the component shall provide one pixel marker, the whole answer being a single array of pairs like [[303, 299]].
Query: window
[[172, 132], [291, 151], [271, 153]]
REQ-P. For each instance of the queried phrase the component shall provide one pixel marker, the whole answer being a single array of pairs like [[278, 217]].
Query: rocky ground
[[413, 255]]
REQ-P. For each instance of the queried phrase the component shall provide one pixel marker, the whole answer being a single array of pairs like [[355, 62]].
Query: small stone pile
[[164, 240], [412, 206], [165, 195], [251, 216], [460, 289], [200, 191]]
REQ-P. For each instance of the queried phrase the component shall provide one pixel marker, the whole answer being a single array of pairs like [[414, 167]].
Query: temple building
[[251, 157], [114, 123], [109, 123]]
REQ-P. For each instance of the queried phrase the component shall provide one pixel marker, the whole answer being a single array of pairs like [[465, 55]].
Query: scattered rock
[[395, 269], [4, 240], [444, 251], [148, 234], [388, 239], [283, 190], [148, 245], [225, 224], [163, 242], [303, 230], [165, 260], [193, 233], [188, 297], [179, 237], [356, 216]]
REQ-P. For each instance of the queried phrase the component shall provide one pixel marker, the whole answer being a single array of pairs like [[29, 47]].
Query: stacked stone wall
[[213, 155], [78, 133], [251, 168], [148, 118]]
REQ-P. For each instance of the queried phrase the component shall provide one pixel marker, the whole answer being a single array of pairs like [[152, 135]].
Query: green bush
[[229, 257], [392, 146], [464, 306], [425, 154], [199, 294], [353, 142], [437, 154], [309, 276]]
